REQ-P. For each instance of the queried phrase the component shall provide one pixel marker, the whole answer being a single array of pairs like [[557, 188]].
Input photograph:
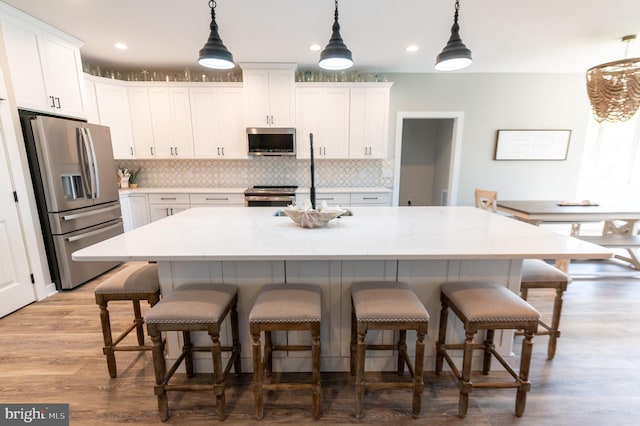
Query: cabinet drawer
[[173, 198], [374, 198], [217, 199], [334, 199]]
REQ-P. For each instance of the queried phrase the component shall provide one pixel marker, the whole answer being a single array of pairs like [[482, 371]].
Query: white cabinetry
[[46, 70], [163, 205], [323, 111], [369, 121], [371, 199], [171, 122], [135, 210], [161, 122], [269, 96], [216, 199], [113, 110], [217, 122]]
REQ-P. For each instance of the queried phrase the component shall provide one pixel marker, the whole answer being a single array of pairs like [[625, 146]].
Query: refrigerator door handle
[[92, 233], [91, 213], [93, 165], [84, 163]]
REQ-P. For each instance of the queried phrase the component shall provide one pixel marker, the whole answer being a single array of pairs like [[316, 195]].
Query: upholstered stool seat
[[282, 307], [386, 305], [194, 307], [134, 283], [486, 306], [539, 274]]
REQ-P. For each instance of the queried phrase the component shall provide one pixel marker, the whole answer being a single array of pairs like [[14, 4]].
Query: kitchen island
[[424, 246]]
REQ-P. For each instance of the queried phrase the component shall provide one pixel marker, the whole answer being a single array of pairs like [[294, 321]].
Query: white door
[[16, 289]]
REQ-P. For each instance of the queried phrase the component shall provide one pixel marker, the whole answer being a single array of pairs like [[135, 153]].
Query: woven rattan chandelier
[[614, 88]]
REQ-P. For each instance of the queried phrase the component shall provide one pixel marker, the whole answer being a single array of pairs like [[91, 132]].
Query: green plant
[[133, 175]]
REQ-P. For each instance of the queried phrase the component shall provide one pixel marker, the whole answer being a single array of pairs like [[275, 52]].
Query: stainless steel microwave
[[271, 141]]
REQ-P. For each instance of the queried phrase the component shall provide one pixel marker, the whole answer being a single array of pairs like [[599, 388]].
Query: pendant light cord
[[335, 14], [212, 5], [455, 14]]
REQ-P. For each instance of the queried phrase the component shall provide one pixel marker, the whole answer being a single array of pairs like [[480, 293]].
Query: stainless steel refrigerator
[[74, 178]]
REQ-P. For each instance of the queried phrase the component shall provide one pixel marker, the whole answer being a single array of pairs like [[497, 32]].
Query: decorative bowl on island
[[312, 218]]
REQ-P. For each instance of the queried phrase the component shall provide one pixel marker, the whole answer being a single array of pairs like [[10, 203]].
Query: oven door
[[269, 200]]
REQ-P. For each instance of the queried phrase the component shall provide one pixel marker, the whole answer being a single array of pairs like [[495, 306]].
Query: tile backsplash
[[261, 171]]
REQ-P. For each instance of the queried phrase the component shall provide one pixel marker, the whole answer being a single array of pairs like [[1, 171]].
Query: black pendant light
[[455, 54], [336, 56], [214, 54]]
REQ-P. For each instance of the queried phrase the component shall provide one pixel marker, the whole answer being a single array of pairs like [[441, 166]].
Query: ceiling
[[540, 36]]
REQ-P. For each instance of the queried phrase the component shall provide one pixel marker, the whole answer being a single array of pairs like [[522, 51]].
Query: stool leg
[[139, 322], [402, 349], [360, 384], [268, 353], [237, 364], [525, 362], [353, 344], [160, 369], [465, 379], [488, 344], [555, 324], [105, 321], [218, 372], [257, 371], [316, 385], [187, 349], [442, 334], [418, 380]]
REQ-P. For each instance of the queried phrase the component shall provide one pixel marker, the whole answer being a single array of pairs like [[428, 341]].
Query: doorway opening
[[427, 157]]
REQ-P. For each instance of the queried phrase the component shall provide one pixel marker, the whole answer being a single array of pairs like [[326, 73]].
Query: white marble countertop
[[182, 190], [240, 233], [346, 190]]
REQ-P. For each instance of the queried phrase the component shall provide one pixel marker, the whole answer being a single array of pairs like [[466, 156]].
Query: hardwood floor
[[51, 352]]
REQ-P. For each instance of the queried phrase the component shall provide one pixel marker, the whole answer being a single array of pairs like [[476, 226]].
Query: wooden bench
[[614, 241]]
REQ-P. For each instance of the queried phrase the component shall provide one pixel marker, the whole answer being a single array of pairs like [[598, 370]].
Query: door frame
[[456, 143]]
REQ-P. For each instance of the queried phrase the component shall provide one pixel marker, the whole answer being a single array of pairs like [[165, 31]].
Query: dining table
[[621, 218]]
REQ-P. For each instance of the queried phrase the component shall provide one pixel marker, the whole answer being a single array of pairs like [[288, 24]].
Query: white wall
[[503, 101]]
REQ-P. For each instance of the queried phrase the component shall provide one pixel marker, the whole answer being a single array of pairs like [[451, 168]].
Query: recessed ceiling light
[[412, 48], [121, 46], [315, 47]]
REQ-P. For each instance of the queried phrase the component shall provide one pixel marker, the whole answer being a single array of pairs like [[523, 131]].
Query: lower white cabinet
[[164, 205], [216, 199], [135, 210], [370, 199]]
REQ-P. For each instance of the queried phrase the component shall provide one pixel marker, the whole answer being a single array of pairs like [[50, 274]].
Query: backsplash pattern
[[261, 171]]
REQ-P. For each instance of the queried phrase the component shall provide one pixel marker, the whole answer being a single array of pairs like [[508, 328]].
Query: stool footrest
[[388, 385], [190, 387], [128, 348], [291, 348], [287, 386]]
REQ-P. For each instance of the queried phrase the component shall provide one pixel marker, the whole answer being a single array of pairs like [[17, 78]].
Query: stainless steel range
[[270, 196]]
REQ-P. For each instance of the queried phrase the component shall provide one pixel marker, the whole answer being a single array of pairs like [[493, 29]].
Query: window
[[610, 166]]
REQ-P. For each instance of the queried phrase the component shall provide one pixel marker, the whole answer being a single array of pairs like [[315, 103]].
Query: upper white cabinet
[[112, 103], [323, 111], [46, 70], [369, 121], [171, 122], [217, 122], [141, 126], [269, 95]]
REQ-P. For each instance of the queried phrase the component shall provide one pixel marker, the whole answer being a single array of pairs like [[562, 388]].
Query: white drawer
[[173, 198], [374, 198], [217, 199], [333, 199]]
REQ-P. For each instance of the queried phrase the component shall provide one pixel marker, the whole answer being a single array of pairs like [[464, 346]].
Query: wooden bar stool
[[387, 305], [539, 274], [134, 283], [282, 307], [194, 307], [486, 306]]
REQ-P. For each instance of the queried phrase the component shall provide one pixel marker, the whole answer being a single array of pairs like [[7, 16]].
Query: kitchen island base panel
[[335, 278]]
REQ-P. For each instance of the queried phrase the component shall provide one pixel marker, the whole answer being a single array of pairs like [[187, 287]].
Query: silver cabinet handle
[[151, 149], [58, 106], [171, 150], [267, 117], [223, 150], [218, 150], [176, 148], [168, 198], [369, 198], [131, 150], [217, 199]]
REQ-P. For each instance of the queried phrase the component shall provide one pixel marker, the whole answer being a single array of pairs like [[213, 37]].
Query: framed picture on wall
[[532, 144]]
